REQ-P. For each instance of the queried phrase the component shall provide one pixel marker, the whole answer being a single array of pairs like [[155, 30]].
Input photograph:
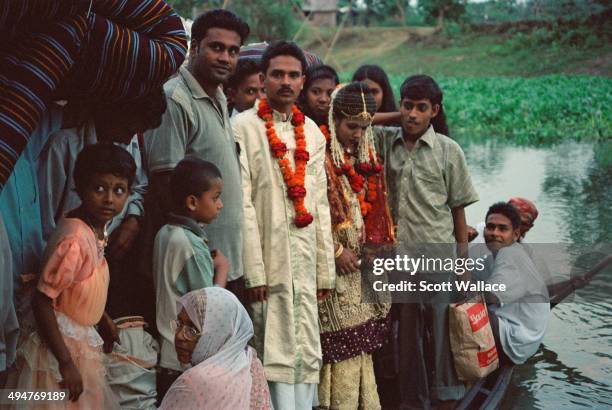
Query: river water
[[571, 184]]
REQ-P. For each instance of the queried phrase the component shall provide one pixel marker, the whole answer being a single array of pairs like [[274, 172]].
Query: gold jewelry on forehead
[[363, 115]]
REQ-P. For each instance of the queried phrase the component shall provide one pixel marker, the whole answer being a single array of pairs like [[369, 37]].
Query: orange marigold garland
[[371, 171], [295, 180], [325, 130]]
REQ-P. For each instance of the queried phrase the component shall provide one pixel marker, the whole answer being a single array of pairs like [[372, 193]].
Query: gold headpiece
[[363, 115]]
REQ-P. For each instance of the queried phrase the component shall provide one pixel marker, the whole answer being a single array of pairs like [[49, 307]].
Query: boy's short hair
[[102, 158], [192, 176], [507, 210], [421, 87], [246, 67], [219, 18], [283, 48]]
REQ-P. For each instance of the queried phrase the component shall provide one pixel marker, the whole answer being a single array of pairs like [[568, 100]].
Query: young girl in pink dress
[[65, 352]]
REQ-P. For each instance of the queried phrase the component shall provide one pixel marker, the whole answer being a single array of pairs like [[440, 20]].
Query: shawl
[[107, 51], [221, 374]]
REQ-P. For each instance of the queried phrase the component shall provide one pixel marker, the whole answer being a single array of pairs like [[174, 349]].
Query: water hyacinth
[[527, 110]]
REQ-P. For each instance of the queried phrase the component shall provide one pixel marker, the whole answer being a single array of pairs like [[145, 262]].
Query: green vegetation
[[518, 51], [528, 83], [527, 110], [531, 72], [268, 20]]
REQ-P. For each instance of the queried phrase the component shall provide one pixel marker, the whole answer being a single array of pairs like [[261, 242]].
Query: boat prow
[[488, 392]]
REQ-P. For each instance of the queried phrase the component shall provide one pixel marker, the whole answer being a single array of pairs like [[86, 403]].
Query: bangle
[[339, 251]]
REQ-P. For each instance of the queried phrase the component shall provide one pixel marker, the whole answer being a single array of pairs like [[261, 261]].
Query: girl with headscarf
[[212, 332], [351, 330]]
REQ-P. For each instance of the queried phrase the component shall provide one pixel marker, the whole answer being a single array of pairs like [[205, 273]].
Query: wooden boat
[[488, 393]]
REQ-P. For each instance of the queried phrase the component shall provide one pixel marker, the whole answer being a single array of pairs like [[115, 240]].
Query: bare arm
[[461, 230], [51, 335], [380, 118], [461, 235]]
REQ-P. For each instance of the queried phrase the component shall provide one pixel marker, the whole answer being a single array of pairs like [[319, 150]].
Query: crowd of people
[[228, 204]]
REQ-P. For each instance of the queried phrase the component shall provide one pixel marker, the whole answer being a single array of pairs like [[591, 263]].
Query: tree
[[268, 21], [439, 10]]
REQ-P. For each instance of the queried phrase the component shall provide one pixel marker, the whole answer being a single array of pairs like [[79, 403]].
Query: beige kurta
[[293, 262]]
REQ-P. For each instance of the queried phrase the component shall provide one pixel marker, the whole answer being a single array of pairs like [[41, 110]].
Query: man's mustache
[[285, 89]]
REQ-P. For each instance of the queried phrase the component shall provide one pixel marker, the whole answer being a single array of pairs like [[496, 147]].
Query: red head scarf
[[525, 207]]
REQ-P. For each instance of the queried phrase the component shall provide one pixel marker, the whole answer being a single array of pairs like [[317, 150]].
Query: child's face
[[105, 197], [207, 206], [377, 92], [318, 97], [249, 90], [416, 116]]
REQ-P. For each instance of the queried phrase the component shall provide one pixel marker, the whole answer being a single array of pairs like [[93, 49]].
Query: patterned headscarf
[[525, 207], [221, 353]]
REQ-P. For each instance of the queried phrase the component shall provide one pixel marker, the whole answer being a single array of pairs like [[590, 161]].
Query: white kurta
[[293, 262]]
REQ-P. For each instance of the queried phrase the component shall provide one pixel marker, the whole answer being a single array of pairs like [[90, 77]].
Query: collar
[[187, 223], [196, 89], [281, 117], [428, 138]]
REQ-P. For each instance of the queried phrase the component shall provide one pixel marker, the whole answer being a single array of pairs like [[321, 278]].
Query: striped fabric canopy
[[107, 50]]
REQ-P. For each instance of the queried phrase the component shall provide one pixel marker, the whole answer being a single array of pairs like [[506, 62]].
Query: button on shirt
[[197, 125], [424, 184]]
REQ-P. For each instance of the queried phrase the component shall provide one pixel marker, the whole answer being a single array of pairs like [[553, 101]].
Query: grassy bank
[[474, 54], [529, 83]]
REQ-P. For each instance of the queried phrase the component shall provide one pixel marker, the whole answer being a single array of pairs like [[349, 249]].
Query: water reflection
[[571, 183], [579, 179]]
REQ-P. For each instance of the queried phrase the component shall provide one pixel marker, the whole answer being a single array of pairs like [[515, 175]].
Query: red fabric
[[525, 207]]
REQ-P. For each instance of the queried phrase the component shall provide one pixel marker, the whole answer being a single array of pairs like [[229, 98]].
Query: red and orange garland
[[357, 178], [295, 181]]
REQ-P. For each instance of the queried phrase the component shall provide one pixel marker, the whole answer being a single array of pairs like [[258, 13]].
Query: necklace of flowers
[[295, 180], [357, 178], [371, 170]]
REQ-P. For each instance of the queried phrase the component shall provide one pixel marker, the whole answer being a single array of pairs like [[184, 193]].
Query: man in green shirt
[[428, 188], [196, 123]]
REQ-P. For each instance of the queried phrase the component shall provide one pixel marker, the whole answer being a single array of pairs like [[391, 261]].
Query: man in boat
[[519, 316], [527, 211]]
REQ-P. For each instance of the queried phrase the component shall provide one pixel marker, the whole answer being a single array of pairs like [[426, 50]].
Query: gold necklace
[[100, 243]]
